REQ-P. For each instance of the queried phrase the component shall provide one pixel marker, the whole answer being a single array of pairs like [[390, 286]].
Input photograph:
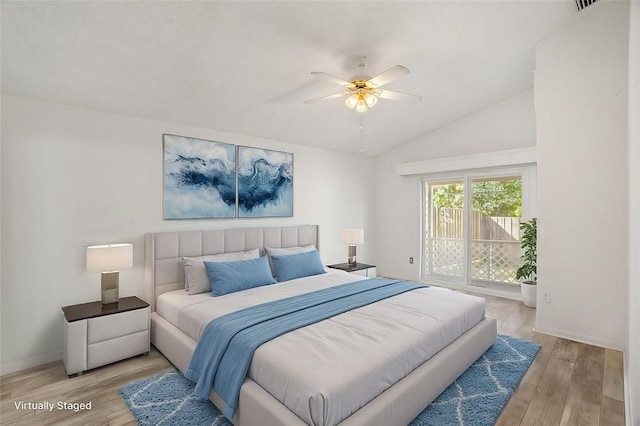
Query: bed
[[351, 388]]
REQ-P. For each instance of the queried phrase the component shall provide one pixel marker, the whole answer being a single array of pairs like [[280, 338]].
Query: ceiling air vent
[[584, 3]]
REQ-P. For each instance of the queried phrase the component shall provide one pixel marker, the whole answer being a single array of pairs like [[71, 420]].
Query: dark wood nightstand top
[[97, 309], [351, 268]]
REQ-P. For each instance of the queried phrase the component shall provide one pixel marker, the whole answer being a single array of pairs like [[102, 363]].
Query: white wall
[[632, 355], [505, 125], [74, 177], [581, 105], [1, 185]]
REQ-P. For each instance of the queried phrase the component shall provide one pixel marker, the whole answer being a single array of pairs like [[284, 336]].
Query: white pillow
[[196, 279], [285, 251]]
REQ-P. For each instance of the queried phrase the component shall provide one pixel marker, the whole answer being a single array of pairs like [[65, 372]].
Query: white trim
[[577, 337], [628, 404], [509, 157], [466, 231], [530, 188], [12, 367], [423, 216], [632, 351]]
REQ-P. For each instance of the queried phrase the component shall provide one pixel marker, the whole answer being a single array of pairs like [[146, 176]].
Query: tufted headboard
[[163, 251]]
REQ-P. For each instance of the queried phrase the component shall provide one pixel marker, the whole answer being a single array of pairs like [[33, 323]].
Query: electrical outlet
[[411, 260], [547, 297]]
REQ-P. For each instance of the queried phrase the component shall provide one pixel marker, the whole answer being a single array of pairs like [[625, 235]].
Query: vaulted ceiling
[[244, 67]]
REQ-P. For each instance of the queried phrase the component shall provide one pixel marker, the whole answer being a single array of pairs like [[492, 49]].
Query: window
[[472, 227]]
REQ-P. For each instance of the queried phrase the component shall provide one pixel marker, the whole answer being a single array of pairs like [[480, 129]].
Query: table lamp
[[352, 237], [109, 260]]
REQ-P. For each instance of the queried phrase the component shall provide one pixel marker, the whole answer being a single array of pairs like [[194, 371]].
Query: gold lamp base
[[110, 287]]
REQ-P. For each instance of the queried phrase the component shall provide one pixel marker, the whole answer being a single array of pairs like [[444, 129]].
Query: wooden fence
[[448, 223]]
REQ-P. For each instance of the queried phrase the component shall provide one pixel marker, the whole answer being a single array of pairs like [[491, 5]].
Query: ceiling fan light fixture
[[370, 99], [361, 105], [351, 101]]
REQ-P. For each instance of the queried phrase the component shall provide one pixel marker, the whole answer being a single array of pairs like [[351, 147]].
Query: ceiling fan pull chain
[[361, 145]]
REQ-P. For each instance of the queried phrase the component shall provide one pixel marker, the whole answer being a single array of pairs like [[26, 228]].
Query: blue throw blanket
[[227, 344]]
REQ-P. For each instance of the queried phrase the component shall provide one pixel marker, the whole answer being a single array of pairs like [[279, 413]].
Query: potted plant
[[528, 271]]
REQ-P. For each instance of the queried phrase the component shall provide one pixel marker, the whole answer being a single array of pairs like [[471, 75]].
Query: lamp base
[[352, 255], [110, 282]]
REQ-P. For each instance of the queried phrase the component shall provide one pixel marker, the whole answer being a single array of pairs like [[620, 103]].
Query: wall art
[[265, 183], [199, 178]]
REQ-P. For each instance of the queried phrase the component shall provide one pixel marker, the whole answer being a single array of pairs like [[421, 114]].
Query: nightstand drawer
[[369, 272], [111, 326], [106, 352]]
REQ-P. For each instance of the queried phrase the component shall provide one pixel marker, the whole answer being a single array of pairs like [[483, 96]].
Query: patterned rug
[[476, 398]]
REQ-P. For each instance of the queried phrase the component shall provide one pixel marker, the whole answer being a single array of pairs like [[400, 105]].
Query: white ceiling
[[243, 67]]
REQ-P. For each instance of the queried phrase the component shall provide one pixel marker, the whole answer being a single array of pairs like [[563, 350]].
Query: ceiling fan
[[363, 91]]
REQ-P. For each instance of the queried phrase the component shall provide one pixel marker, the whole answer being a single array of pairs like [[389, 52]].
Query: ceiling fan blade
[[324, 98], [397, 96], [332, 78], [388, 76]]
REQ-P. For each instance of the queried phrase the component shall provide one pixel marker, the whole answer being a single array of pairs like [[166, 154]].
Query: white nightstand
[[362, 269], [97, 334]]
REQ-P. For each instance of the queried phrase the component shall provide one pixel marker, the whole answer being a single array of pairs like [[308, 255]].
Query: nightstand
[[362, 269], [96, 334]]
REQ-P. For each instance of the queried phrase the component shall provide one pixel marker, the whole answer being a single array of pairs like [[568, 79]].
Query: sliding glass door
[[495, 230], [444, 248], [472, 229]]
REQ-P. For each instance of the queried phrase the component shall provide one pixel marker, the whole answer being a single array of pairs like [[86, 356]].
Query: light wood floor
[[569, 383]]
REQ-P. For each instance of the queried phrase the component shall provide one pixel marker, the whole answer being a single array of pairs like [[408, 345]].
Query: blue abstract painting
[[199, 178], [265, 183]]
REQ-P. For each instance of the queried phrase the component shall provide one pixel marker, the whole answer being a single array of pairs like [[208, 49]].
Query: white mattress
[[326, 371]]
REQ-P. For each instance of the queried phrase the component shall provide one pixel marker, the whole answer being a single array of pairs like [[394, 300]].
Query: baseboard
[[628, 409], [12, 367], [589, 340]]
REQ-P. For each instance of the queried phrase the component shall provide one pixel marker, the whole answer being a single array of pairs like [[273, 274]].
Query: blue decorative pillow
[[297, 265], [229, 277]]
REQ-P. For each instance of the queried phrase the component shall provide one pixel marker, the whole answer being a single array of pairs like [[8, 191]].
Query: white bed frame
[[398, 405]]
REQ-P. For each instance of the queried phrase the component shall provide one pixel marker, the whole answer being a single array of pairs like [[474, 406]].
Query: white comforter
[[327, 371]]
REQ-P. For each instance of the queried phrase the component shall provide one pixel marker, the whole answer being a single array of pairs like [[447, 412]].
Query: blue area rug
[[476, 398]]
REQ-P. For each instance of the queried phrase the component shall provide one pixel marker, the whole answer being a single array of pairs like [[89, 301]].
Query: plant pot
[[529, 293]]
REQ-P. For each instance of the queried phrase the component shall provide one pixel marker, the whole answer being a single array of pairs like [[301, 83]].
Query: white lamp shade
[[110, 257], [352, 237]]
